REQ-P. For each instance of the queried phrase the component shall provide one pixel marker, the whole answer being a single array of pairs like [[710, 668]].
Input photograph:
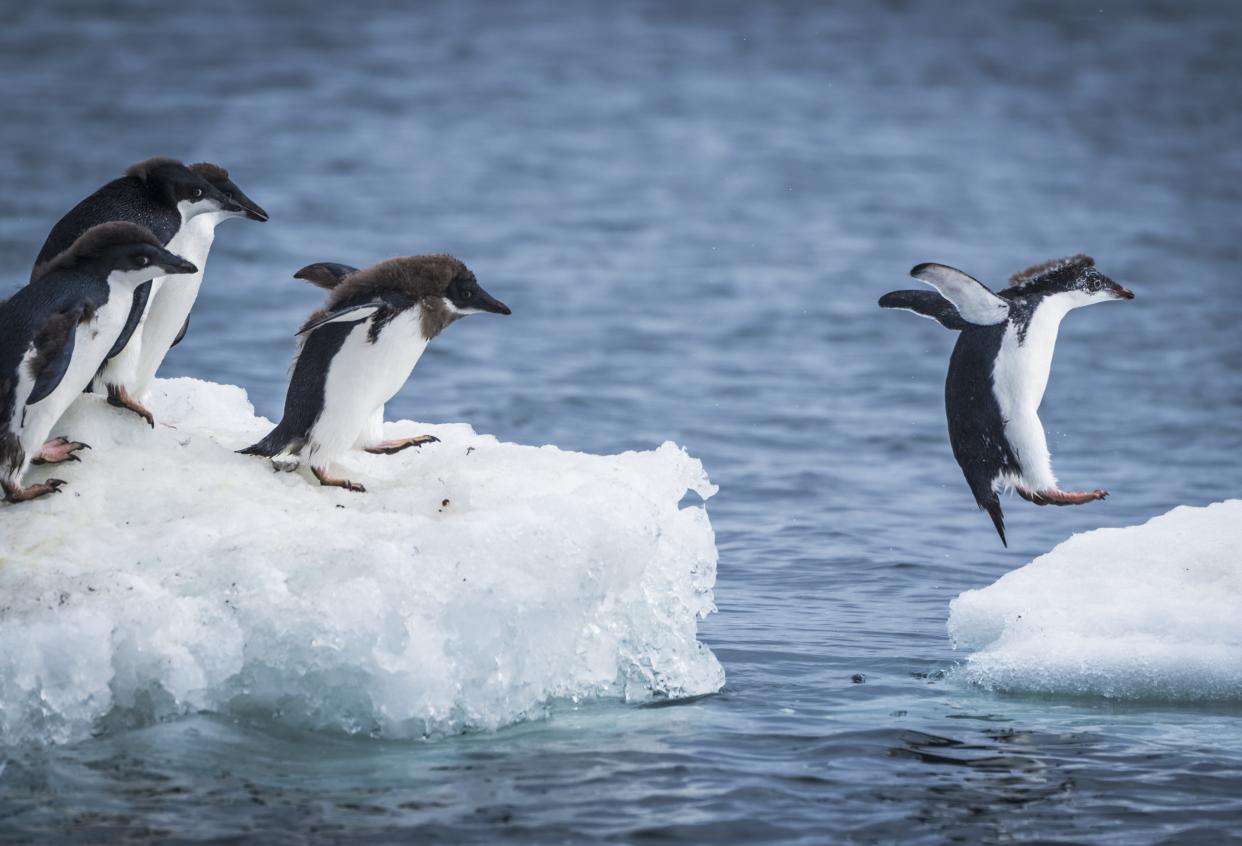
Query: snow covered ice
[[1144, 612], [475, 583]]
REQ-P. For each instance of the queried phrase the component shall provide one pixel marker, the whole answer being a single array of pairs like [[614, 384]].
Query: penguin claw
[[332, 482], [1055, 497], [58, 450], [120, 398], [395, 446], [15, 493]]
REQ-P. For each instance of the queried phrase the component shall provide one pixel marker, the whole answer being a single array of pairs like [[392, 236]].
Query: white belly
[[1019, 381], [362, 378], [92, 341], [172, 298], [131, 368]]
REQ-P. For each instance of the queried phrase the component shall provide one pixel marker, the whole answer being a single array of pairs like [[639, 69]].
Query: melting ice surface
[[1144, 612], [475, 582]]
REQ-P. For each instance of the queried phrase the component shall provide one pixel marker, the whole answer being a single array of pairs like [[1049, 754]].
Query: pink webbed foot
[[16, 493], [120, 398], [57, 450], [1055, 497], [393, 447], [332, 482]]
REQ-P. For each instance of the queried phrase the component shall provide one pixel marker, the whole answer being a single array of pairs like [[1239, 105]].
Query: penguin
[[163, 195], [359, 349], [168, 308], [999, 370], [56, 332]]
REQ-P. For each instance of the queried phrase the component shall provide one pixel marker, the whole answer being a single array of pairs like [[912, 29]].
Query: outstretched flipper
[[974, 302], [927, 304], [325, 274]]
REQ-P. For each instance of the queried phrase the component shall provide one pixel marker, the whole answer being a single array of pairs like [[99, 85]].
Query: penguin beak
[[486, 302], [176, 264], [251, 209], [1124, 293]]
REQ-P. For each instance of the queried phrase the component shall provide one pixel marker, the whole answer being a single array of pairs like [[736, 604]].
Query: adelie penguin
[[181, 206], [56, 332], [168, 309], [999, 370], [359, 349]]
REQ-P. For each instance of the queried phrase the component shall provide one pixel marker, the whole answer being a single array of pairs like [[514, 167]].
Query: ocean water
[[691, 209]]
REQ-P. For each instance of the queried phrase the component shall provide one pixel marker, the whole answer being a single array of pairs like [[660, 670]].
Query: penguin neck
[[128, 280], [194, 239]]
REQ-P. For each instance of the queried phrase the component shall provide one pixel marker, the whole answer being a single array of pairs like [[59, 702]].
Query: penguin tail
[[277, 441], [993, 507]]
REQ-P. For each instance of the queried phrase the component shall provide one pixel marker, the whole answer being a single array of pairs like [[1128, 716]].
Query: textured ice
[[473, 584], [1145, 612]]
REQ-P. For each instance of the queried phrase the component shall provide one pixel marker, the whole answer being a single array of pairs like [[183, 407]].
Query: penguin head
[[219, 179], [127, 253], [174, 184], [1094, 287], [442, 287], [463, 295], [1074, 282]]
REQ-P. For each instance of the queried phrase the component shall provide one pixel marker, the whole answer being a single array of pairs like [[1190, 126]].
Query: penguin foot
[[16, 493], [57, 450], [394, 447], [331, 482], [1055, 497], [120, 398]]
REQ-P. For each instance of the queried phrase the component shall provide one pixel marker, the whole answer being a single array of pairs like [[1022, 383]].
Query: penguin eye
[[466, 294], [142, 261], [198, 192]]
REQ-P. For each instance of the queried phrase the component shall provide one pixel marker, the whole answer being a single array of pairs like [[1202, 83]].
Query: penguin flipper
[[345, 314], [185, 327], [325, 274], [927, 304], [54, 350], [974, 302], [141, 294]]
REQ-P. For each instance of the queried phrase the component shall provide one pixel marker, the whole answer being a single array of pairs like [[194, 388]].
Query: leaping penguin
[[164, 196], [999, 370], [54, 335], [360, 348]]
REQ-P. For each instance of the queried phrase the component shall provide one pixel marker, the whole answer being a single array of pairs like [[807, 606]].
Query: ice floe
[[473, 584], [1144, 612]]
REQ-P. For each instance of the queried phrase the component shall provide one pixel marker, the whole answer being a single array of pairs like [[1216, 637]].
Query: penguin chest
[[191, 242], [92, 341], [364, 374], [1024, 362]]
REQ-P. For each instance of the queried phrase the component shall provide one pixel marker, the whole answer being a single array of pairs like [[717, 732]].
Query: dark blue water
[[692, 209]]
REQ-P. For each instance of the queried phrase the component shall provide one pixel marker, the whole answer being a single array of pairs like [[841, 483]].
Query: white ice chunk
[[473, 584], [1144, 612]]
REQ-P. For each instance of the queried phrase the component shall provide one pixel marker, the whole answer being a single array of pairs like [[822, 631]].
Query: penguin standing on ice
[[164, 196], [360, 348], [54, 335], [1000, 367], [168, 308]]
